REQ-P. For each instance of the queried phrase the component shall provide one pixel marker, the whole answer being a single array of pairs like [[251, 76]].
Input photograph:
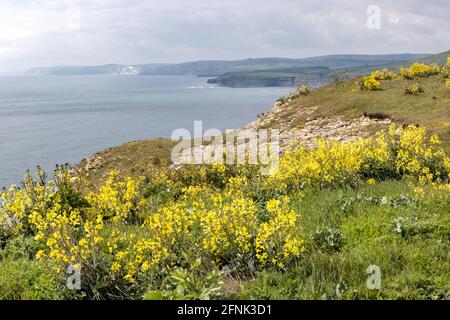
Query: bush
[[446, 72], [118, 252], [69, 231], [385, 74], [128, 239], [329, 239], [376, 115], [23, 279], [369, 83], [415, 89], [303, 90], [400, 153], [190, 284], [446, 69], [419, 70], [281, 100]]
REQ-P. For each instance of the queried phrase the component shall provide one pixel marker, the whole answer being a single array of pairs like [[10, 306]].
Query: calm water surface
[[50, 120]]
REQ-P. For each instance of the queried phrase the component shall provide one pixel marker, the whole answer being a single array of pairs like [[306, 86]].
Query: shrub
[[117, 253], [401, 223], [23, 279], [401, 152], [385, 74], [190, 284], [281, 100], [376, 115], [303, 90], [369, 83], [328, 238], [278, 239], [446, 69], [127, 244], [85, 237], [419, 70], [415, 89]]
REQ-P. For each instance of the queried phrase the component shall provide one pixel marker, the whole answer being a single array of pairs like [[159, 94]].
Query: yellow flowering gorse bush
[[446, 72], [370, 83], [130, 230], [414, 89], [419, 70], [73, 232], [279, 238], [446, 69], [398, 153], [414, 71], [384, 74]]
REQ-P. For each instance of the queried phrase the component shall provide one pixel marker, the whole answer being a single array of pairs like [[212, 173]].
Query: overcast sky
[[89, 32]]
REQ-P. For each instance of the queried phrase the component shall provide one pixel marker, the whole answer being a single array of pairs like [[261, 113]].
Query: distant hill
[[439, 59], [218, 67], [338, 66], [339, 100], [287, 77], [92, 70], [261, 72]]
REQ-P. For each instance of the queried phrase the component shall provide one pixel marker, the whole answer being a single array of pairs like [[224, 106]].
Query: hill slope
[[355, 220], [334, 111], [339, 101], [214, 68], [339, 66], [218, 67]]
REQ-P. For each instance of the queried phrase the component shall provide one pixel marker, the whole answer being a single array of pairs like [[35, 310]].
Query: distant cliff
[[314, 77], [258, 72], [242, 81], [93, 70], [219, 67]]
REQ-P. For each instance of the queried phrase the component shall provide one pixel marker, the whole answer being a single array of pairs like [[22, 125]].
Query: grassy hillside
[[215, 68], [310, 231], [439, 59], [339, 66], [130, 159], [430, 109], [338, 99], [342, 219], [349, 230]]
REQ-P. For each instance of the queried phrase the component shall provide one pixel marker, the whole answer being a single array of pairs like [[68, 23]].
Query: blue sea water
[[49, 120]]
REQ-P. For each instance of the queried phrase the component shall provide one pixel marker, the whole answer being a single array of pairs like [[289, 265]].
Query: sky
[[92, 32]]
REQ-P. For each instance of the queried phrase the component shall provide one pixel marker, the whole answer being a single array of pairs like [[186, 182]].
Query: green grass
[[283, 72], [22, 277], [431, 109], [130, 159], [383, 224], [439, 59], [414, 263], [345, 229]]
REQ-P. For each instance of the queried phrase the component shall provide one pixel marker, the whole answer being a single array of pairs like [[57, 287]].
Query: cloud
[[47, 32]]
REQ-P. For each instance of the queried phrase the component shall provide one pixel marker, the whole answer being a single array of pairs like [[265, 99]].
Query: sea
[[48, 120]]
